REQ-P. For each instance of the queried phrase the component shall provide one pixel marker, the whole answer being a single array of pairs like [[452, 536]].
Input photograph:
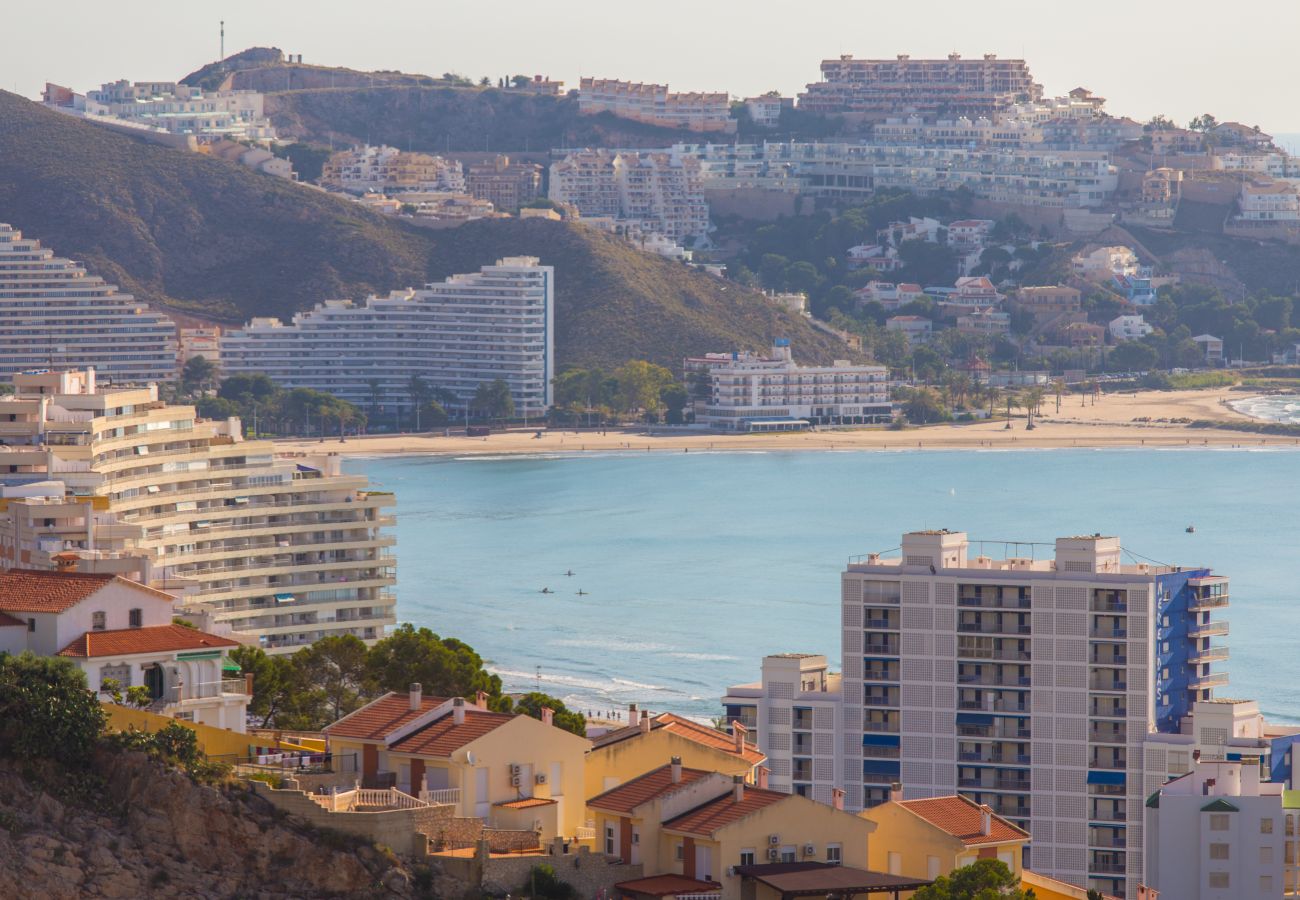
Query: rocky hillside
[[157, 834], [220, 242]]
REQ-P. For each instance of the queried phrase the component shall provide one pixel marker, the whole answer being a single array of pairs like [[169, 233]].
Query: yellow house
[[703, 826], [512, 771], [931, 837], [647, 741], [1045, 888]]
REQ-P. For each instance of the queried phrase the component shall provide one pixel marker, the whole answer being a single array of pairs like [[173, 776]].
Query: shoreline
[[1116, 421]]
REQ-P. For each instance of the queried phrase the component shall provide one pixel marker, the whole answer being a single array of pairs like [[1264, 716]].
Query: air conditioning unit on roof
[[773, 854], [774, 839]]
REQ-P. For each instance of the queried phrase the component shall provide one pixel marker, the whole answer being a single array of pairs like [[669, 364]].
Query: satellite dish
[[469, 757]]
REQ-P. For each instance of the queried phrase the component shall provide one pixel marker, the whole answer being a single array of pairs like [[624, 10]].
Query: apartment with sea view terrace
[[286, 549]]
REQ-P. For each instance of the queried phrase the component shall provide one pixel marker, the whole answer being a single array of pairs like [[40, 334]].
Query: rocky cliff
[[152, 832]]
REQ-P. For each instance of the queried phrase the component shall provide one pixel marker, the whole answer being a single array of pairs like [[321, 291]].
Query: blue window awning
[[974, 719], [284, 598], [880, 766], [1107, 777], [880, 740]]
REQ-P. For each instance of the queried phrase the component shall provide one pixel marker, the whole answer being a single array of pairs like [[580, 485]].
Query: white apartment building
[[654, 104], [497, 323], [1220, 832], [654, 191], [765, 110], [917, 329], [1105, 263], [285, 549], [1028, 682], [171, 107], [387, 170], [756, 393], [1129, 328], [54, 314], [794, 712], [1265, 200]]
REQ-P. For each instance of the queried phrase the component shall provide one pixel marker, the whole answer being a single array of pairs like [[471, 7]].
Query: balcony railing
[[1202, 603], [1118, 634], [1216, 628], [992, 628], [1214, 679], [873, 751], [880, 726], [1101, 762]]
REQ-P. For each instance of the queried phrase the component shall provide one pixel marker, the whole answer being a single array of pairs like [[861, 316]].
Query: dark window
[[31, 624], [136, 618]]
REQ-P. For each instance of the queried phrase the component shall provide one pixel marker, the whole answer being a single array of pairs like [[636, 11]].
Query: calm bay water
[[696, 565]]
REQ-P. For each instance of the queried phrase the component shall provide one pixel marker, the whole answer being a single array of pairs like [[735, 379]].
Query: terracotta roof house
[[513, 771], [117, 630]]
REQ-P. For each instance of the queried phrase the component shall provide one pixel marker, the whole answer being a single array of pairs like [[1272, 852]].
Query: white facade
[[469, 330], [794, 713], [917, 329], [173, 108], [755, 393], [1105, 263], [765, 111], [387, 170], [54, 314], [1269, 201], [654, 104], [654, 191], [287, 549], [1027, 683], [1129, 328]]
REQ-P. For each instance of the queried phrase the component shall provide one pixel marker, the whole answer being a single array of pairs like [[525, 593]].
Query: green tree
[[493, 399], [445, 667], [1133, 356], [674, 398], [280, 695], [923, 406], [640, 386], [520, 81], [197, 374], [335, 666], [47, 712], [531, 704], [985, 879]]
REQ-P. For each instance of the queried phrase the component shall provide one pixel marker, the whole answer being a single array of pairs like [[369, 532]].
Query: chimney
[[458, 711], [738, 787], [837, 798], [1196, 756], [896, 792], [66, 562], [738, 731], [416, 690], [248, 683], [633, 717], [986, 821], [763, 772], [645, 723], [675, 766], [548, 716], [481, 699]]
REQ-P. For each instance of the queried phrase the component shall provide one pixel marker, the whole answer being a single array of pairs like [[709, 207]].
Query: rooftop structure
[[458, 334], [116, 481], [654, 104], [54, 314], [754, 393]]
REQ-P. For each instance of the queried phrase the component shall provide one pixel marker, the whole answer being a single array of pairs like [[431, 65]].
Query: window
[[895, 863], [135, 618], [1265, 826], [1218, 879], [609, 840], [97, 621], [31, 625], [681, 851], [833, 854], [788, 855], [1218, 851], [747, 857], [1266, 855], [1218, 821], [932, 867], [1266, 884]]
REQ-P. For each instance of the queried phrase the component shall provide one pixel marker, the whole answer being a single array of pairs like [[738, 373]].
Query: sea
[[687, 568]]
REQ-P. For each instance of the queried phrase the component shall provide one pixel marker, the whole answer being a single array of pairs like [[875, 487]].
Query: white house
[[1212, 347], [1129, 328], [917, 329], [114, 628], [1104, 263]]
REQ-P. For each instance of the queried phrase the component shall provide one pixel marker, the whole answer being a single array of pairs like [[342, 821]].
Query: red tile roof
[[380, 718], [667, 886], [8, 621], [642, 789], [708, 817], [444, 737], [154, 639], [961, 818], [693, 731], [38, 591], [526, 803]]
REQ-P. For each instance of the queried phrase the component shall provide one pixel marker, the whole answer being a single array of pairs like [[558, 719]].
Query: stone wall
[[402, 830], [589, 873]]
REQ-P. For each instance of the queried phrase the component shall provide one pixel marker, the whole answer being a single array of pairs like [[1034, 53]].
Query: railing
[[1115, 659], [870, 751], [441, 797], [1104, 633], [1208, 629], [585, 832], [886, 649], [390, 798], [989, 628], [880, 726], [993, 603], [1207, 602], [1109, 606]]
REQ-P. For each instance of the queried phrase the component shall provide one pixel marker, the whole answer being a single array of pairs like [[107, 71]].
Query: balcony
[[877, 700], [1005, 627], [1098, 683], [1200, 604], [882, 648], [1001, 706], [1202, 682], [1108, 711], [1109, 659], [1108, 734], [1109, 762], [875, 751], [1208, 655], [997, 759], [1109, 867], [886, 726], [1115, 814], [1216, 628], [1100, 605], [880, 675], [993, 602], [888, 624], [994, 680], [1108, 633]]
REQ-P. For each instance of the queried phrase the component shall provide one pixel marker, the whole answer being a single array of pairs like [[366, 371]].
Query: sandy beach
[[1110, 422]]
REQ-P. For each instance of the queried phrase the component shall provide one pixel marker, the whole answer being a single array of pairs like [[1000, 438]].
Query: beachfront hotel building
[[753, 393], [654, 104], [113, 480], [469, 330], [52, 313], [875, 89], [653, 191]]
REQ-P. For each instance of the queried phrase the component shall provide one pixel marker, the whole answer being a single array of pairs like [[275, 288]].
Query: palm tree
[[418, 389], [1012, 400], [1033, 404], [1059, 387]]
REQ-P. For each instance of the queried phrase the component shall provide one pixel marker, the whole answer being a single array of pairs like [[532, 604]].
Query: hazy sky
[[1146, 56]]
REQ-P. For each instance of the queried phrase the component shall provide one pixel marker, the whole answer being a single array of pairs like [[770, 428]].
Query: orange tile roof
[[961, 818], [693, 731], [8, 621], [153, 639], [526, 803], [443, 737], [667, 886], [642, 789], [380, 718], [38, 591], [707, 818]]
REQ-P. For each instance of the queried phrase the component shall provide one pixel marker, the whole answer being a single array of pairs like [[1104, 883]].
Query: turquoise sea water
[[699, 564]]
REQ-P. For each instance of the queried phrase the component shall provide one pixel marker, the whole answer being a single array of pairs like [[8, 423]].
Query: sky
[[1178, 59]]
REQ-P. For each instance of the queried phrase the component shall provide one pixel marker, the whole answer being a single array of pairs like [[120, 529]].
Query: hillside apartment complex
[[874, 89], [389, 170], [655, 191], [748, 392], [53, 313], [171, 107], [654, 104], [469, 330], [1059, 691], [287, 549]]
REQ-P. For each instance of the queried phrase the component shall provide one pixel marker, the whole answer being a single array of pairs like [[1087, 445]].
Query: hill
[[218, 241]]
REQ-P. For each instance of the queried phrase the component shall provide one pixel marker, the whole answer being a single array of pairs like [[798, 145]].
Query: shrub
[[544, 883]]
